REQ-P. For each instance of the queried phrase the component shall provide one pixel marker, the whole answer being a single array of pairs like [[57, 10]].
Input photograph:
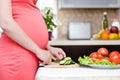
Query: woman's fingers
[[59, 54], [62, 53], [53, 57]]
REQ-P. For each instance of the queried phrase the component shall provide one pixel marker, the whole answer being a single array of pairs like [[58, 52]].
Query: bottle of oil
[[105, 21]]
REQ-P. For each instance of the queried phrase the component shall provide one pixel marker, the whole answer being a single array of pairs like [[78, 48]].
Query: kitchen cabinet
[[76, 48], [78, 73], [88, 4]]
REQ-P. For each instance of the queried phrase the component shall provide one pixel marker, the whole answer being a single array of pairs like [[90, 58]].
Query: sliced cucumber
[[67, 58], [62, 62], [66, 61]]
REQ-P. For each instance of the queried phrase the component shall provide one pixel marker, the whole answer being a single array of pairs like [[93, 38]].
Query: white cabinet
[[89, 3]]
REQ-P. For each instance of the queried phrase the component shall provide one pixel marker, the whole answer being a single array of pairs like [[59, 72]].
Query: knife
[[41, 65]]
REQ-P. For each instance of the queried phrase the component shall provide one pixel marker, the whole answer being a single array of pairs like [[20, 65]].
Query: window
[[47, 3], [53, 4]]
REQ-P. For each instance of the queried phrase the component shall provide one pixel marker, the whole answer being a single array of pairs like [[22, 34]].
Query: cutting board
[[57, 65]]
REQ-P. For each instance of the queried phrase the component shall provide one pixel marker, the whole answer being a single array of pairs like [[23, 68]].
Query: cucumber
[[67, 58], [66, 61], [62, 62]]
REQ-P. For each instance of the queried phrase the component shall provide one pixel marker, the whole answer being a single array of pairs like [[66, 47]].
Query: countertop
[[84, 42], [77, 73]]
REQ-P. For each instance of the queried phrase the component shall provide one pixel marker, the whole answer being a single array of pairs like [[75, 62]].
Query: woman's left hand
[[57, 53]]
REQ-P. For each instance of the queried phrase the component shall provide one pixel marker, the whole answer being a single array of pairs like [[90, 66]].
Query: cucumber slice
[[66, 61], [67, 58], [62, 62]]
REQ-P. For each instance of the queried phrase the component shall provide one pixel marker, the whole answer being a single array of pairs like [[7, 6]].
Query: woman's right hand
[[44, 56]]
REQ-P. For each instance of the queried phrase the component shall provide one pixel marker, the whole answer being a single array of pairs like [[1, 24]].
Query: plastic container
[[116, 23]]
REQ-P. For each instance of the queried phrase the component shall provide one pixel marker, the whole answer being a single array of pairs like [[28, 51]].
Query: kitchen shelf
[[76, 48], [88, 4], [83, 42]]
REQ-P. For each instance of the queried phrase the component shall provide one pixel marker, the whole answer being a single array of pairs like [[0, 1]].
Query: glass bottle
[[105, 21]]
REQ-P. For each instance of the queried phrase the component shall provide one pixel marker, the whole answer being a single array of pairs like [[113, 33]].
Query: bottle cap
[[105, 13]]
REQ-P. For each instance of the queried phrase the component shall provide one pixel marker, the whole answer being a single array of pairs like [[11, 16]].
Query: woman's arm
[[12, 29]]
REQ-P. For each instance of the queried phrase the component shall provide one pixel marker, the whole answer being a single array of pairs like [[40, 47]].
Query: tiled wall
[[94, 16]]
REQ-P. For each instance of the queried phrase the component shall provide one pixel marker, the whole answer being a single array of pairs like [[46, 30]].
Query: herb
[[49, 16]]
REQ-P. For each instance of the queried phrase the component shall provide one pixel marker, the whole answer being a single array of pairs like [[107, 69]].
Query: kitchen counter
[[84, 42], [77, 73]]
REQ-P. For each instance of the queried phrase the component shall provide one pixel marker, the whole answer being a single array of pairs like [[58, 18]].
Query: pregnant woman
[[24, 41]]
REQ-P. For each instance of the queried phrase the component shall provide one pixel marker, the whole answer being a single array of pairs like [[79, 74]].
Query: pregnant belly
[[34, 26]]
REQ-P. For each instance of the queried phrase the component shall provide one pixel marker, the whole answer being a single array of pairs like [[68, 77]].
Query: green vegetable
[[85, 60], [88, 60], [66, 61], [105, 62]]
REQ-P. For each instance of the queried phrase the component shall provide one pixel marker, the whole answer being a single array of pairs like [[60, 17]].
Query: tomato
[[113, 53], [103, 51], [95, 59], [95, 56], [106, 59], [100, 56], [115, 57]]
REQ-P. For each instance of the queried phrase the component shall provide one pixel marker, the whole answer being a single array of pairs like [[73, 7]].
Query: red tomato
[[100, 56], [95, 59], [113, 53], [103, 51], [106, 59], [95, 56], [115, 57]]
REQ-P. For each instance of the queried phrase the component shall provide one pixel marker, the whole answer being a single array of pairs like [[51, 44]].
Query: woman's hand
[[44, 56], [57, 53]]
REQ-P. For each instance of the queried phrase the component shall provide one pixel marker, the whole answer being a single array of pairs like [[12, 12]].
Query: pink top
[[17, 63], [28, 16]]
